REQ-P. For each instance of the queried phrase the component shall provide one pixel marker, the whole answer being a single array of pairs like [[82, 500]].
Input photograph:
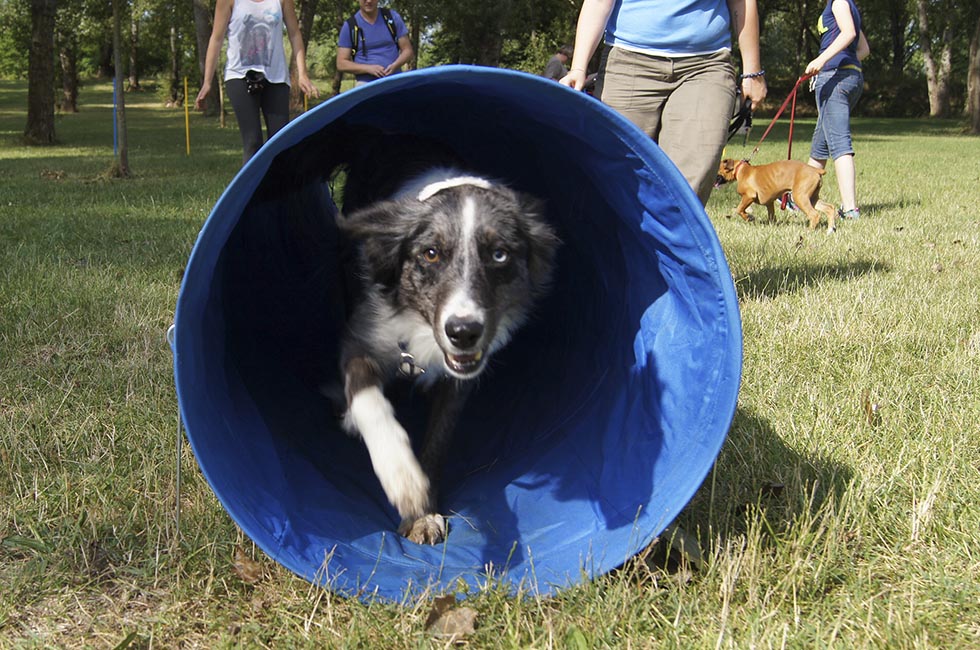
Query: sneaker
[[787, 202], [854, 214]]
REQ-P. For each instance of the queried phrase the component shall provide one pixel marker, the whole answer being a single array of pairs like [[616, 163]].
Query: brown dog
[[764, 184]]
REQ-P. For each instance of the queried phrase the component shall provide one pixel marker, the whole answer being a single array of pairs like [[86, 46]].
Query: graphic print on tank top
[[255, 40]]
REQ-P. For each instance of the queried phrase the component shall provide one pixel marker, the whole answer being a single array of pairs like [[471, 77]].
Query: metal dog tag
[[407, 367]]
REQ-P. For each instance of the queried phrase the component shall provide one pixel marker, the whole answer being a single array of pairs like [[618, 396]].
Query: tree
[[973, 82], [40, 74], [938, 66], [67, 39], [134, 32], [120, 168], [202, 29]]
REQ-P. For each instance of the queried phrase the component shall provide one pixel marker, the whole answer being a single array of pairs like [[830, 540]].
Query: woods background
[[925, 53]]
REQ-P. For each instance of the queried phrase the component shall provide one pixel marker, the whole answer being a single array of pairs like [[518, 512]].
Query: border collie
[[451, 263]]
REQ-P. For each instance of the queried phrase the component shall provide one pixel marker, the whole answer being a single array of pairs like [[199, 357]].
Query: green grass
[[843, 510]]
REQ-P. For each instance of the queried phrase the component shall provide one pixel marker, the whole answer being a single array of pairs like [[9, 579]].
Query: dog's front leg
[[742, 205], [388, 444], [448, 398]]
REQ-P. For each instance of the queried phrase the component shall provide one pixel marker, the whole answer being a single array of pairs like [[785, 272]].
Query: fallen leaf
[[446, 621], [245, 567], [773, 489], [684, 544], [937, 267], [872, 410]]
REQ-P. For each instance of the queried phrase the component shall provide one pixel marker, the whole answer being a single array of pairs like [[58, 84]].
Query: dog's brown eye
[[431, 255], [500, 256]]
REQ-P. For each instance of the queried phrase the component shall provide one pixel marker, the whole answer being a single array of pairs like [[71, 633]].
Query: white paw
[[394, 463], [404, 482], [429, 529]]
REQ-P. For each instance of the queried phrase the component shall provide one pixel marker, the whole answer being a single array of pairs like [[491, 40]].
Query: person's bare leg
[[846, 184]]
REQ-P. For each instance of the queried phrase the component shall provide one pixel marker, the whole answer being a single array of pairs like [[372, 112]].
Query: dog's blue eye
[[500, 256], [431, 255]]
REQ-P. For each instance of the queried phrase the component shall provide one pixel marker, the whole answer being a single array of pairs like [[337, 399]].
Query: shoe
[[854, 214], [787, 202]]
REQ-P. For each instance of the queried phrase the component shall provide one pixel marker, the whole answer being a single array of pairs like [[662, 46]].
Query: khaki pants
[[685, 104]]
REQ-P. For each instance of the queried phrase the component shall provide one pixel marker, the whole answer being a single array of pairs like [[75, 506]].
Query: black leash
[[742, 119]]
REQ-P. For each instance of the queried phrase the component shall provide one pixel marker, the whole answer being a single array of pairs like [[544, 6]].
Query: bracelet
[[578, 70], [753, 75]]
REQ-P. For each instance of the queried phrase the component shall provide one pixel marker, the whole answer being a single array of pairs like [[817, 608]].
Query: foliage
[[522, 34], [15, 37]]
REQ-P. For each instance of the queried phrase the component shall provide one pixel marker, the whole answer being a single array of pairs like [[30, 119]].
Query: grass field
[[842, 512]]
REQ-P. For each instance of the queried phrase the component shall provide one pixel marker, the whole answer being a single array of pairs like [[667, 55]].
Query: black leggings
[[272, 101]]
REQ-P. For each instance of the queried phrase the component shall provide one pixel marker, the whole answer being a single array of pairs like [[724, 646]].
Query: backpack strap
[[356, 37], [390, 23]]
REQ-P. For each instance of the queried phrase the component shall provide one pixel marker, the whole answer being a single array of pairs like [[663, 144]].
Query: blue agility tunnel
[[587, 435]]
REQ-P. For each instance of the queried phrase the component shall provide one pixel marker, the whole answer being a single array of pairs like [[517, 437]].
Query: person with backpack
[[373, 43]]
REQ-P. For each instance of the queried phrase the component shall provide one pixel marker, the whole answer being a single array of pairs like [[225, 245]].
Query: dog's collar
[[406, 364], [432, 189], [737, 165]]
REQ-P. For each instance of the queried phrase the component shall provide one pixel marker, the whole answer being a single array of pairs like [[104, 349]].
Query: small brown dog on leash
[[764, 184]]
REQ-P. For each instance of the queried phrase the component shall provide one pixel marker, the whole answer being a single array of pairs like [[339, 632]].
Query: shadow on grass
[[757, 479], [874, 209], [771, 282]]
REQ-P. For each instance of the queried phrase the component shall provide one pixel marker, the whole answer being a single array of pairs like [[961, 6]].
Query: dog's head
[[468, 255], [726, 171]]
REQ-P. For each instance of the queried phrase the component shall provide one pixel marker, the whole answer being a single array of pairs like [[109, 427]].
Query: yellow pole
[[306, 104], [187, 118]]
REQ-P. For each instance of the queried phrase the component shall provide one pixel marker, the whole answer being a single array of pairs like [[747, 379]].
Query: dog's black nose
[[464, 334]]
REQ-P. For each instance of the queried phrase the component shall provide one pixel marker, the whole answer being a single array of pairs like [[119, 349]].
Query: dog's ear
[[382, 230], [542, 240]]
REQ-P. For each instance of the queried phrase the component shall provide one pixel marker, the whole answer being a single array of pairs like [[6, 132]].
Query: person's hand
[[307, 86], [815, 66], [201, 96], [376, 71], [574, 79], [754, 89]]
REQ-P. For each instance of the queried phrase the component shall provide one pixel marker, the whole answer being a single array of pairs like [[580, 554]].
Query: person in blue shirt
[[667, 67], [376, 46], [838, 86]]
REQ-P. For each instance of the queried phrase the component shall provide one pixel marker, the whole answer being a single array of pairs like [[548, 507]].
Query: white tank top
[[255, 40]]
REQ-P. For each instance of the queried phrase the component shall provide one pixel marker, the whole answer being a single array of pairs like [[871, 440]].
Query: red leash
[[792, 117]]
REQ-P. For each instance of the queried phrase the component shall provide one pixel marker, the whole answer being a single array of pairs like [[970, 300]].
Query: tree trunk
[[40, 74], [897, 21], [973, 82], [176, 93], [202, 30], [134, 29], [937, 72], [120, 168], [69, 77], [104, 70]]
